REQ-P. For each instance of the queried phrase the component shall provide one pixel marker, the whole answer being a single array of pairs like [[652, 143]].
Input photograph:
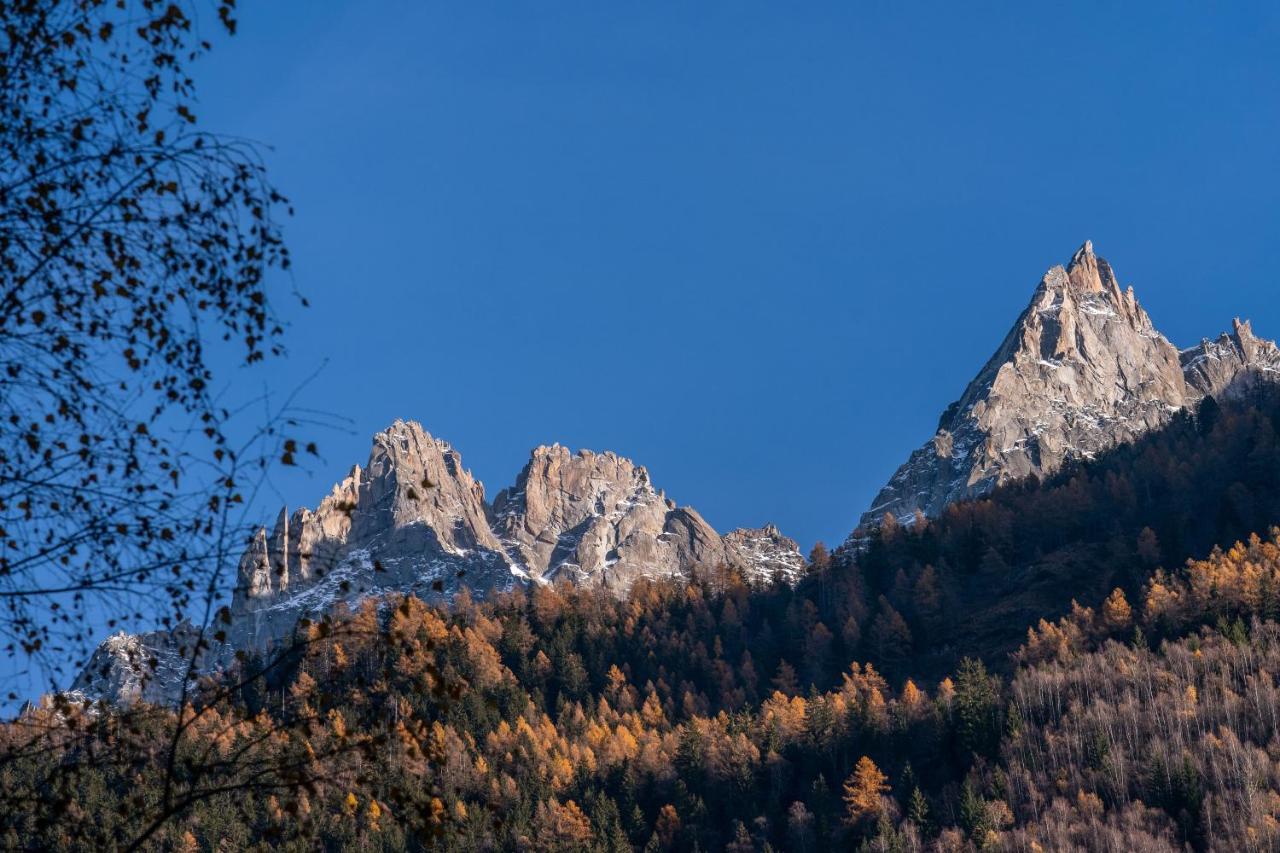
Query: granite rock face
[[412, 520], [1082, 370], [597, 518], [1231, 364]]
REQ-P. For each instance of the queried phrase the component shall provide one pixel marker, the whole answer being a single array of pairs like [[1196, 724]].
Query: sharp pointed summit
[[1082, 370]]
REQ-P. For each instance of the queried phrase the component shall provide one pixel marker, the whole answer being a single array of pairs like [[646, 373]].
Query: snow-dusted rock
[[596, 518], [1231, 364], [150, 667], [766, 550], [412, 520]]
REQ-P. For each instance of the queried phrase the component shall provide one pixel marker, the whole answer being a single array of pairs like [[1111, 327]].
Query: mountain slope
[[1082, 370]]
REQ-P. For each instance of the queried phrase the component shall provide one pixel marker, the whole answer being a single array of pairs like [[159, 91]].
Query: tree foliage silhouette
[[132, 244]]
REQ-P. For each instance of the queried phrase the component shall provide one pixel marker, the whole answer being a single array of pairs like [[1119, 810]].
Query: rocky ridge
[[413, 519], [1082, 370]]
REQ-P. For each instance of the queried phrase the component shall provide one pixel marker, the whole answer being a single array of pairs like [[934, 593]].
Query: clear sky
[[756, 248]]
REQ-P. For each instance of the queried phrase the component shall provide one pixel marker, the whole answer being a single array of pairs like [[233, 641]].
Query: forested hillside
[[940, 689], [969, 582]]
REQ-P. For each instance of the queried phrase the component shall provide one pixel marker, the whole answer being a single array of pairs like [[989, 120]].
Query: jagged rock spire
[[1083, 269], [1082, 370]]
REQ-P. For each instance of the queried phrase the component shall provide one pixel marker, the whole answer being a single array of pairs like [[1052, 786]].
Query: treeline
[[970, 582], [416, 728], [1040, 669]]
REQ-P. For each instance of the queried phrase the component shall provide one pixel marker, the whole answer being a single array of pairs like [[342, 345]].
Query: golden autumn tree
[[667, 826], [863, 790], [561, 827], [1117, 615], [911, 695]]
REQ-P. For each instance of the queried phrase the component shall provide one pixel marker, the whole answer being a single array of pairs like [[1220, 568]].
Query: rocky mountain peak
[[1083, 271], [413, 478], [597, 517], [152, 667], [1231, 364], [1251, 348], [414, 519], [1082, 369]]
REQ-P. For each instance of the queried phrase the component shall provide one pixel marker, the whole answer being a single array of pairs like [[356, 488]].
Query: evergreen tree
[[975, 707], [975, 818], [918, 808]]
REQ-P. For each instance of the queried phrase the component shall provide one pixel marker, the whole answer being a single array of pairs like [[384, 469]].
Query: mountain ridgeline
[[1041, 637], [1081, 372], [414, 520]]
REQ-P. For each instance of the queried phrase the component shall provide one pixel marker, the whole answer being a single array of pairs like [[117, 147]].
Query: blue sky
[[757, 248]]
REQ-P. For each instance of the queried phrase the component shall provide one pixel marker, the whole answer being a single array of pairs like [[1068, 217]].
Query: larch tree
[[1117, 616], [863, 790]]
